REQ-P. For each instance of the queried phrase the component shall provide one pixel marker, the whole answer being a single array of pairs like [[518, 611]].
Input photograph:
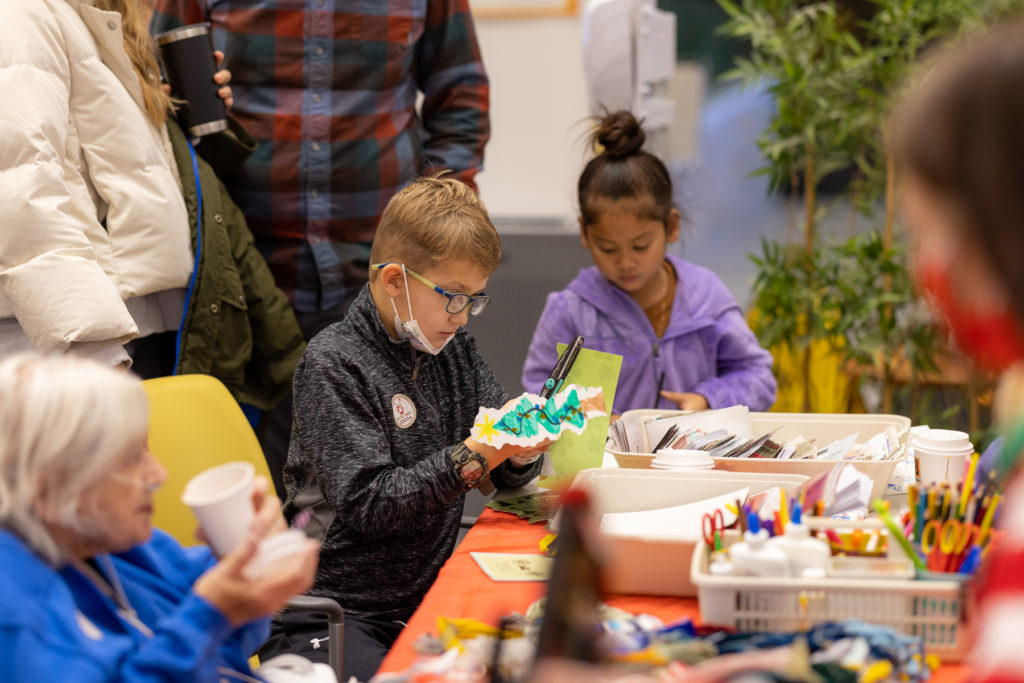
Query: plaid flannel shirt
[[328, 88]]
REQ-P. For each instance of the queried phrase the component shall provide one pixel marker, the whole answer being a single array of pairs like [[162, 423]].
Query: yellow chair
[[194, 424]]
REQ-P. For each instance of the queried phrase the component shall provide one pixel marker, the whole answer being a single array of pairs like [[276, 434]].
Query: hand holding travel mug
[[189, 66]]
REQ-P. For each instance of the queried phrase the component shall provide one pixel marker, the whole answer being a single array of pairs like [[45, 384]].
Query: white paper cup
[[683, 468], [941, 439], [942, 450], [221, 499], [935, 466], [682, 458], [276, 547]]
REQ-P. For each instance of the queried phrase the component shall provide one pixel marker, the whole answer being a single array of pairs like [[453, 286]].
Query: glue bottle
[[720, 565], [754, 556], [808, 556]]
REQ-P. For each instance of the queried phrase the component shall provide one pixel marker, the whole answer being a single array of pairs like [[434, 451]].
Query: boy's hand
[[524, 460], [495, 456], [686, 401]]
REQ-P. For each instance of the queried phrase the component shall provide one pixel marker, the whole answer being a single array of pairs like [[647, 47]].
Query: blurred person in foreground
[[959, 144], [91, 591]]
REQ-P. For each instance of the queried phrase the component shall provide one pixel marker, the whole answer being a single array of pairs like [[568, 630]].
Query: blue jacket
[[707, 348], [56, 626]]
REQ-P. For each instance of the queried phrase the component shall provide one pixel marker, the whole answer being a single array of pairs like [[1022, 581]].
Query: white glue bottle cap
[[808, 556]]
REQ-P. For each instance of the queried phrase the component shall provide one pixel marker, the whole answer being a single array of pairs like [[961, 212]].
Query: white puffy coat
[[91, 213]]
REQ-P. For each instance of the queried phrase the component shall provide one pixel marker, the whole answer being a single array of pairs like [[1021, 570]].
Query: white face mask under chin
[[411, 330]]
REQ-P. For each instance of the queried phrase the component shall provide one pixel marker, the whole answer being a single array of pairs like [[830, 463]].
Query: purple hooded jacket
[[707, 349]]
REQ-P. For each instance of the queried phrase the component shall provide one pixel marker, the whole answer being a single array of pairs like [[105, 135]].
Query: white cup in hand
[[221, 499], [274, 549]]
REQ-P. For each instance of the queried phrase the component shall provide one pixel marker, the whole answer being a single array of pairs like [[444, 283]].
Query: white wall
[[538, 112], [539, 117]]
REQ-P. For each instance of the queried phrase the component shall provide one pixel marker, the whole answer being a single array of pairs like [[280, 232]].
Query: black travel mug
[[189, 66]]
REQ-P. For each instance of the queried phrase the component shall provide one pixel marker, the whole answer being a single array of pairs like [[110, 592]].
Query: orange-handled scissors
[[713, 524]]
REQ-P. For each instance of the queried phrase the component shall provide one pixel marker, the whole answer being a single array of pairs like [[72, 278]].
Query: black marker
[[562, 367]]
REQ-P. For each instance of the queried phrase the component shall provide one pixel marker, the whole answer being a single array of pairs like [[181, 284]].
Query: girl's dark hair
[[623, 170], [961, 131]]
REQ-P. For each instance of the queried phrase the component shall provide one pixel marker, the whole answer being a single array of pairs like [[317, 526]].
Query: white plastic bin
[[656, 566], [823, 428], [932, 610]]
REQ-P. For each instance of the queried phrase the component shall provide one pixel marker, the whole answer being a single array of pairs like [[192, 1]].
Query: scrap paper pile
[[836, 491], [727, 433], [643, 649]]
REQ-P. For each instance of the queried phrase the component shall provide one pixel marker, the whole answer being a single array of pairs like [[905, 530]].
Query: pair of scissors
[[712, 525], [942, 536], [942, 541]]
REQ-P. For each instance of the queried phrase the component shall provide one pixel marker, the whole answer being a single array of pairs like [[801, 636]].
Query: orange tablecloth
[[463, 590]]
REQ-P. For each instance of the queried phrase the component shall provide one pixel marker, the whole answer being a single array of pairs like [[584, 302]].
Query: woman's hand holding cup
[[242, 597], [242, 594]]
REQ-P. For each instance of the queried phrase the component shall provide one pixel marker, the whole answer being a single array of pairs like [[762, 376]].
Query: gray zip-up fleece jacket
[[374, 423]]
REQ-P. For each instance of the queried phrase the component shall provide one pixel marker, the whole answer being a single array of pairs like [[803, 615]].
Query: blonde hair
[[434, 220], [141, 51], [65, 421]]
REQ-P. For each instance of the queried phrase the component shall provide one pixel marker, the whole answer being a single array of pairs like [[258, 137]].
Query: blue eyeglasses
[[457, 303]]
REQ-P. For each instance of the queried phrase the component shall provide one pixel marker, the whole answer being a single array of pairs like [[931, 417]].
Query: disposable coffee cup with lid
[[941, 455]]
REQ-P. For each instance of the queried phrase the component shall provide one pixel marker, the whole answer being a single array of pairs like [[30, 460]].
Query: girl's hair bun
[[620, 135]]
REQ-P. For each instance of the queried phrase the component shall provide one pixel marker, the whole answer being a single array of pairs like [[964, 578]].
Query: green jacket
[[238, 326]]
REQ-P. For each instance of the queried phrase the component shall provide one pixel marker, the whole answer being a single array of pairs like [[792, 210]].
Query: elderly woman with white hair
[[91, 591]]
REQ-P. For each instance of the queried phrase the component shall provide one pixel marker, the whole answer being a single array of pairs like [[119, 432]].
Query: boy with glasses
[[384, 402]]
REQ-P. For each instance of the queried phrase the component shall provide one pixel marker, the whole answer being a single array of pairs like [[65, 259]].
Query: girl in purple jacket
[[682, 337]]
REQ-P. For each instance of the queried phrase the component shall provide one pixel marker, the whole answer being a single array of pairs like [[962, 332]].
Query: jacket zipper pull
[[416, 369], [654, 348]]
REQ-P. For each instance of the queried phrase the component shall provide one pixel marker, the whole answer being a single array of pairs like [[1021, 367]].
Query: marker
[[783, 511], [562, 366], [989, 514], [968, 485], [970, 563]]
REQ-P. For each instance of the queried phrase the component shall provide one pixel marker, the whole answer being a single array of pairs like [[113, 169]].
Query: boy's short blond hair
[[434, 220]]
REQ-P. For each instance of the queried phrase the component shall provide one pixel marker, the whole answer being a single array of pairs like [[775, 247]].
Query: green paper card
[[572, 452], [533, 507]]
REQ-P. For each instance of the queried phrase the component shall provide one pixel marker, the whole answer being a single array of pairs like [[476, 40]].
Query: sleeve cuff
[[206, 618]]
